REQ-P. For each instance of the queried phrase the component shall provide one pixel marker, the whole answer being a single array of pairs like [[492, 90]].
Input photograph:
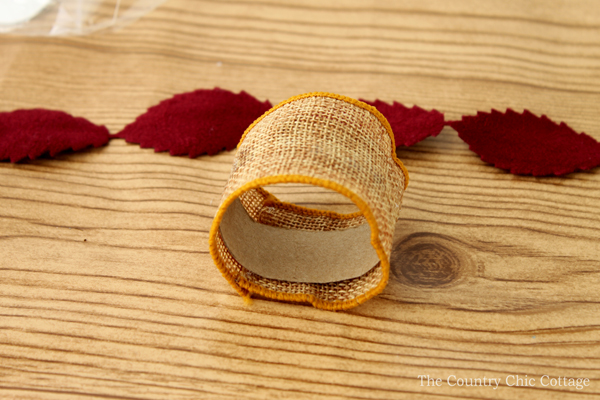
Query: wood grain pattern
[[107, 289]]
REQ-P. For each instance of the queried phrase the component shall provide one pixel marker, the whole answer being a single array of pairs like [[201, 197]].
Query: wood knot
[[429, 260]]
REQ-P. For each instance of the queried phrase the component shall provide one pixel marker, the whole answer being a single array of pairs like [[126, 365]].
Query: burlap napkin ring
[[287, 252]]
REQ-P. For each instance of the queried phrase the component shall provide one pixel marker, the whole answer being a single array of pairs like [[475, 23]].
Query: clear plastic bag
[[69, 17]]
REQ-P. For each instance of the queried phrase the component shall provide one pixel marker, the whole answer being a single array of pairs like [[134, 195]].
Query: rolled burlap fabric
[[284, 251]]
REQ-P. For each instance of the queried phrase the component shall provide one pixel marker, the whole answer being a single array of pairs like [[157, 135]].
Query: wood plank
[[107, 289]]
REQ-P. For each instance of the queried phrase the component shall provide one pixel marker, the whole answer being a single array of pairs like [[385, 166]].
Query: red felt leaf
[[194, 123], [527, 144], [410, 125], [31, 133]]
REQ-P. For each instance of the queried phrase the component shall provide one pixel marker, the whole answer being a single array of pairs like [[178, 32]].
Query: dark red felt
[[200, 122], [527, 144], [410, 125], [31, 133], [208, 121]]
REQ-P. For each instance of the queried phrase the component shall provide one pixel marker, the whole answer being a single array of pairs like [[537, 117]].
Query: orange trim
[[245, 288], [350, 100]]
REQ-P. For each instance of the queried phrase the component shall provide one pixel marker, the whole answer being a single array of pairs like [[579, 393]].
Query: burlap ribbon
[[283, 251]]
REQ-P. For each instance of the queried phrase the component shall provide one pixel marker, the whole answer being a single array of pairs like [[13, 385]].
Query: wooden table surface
[[107, 289]]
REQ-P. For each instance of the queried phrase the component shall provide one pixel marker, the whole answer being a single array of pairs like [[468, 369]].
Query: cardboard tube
[[297, 255]]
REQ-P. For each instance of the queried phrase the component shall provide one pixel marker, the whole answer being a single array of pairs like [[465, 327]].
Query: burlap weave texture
[[325, 140]]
